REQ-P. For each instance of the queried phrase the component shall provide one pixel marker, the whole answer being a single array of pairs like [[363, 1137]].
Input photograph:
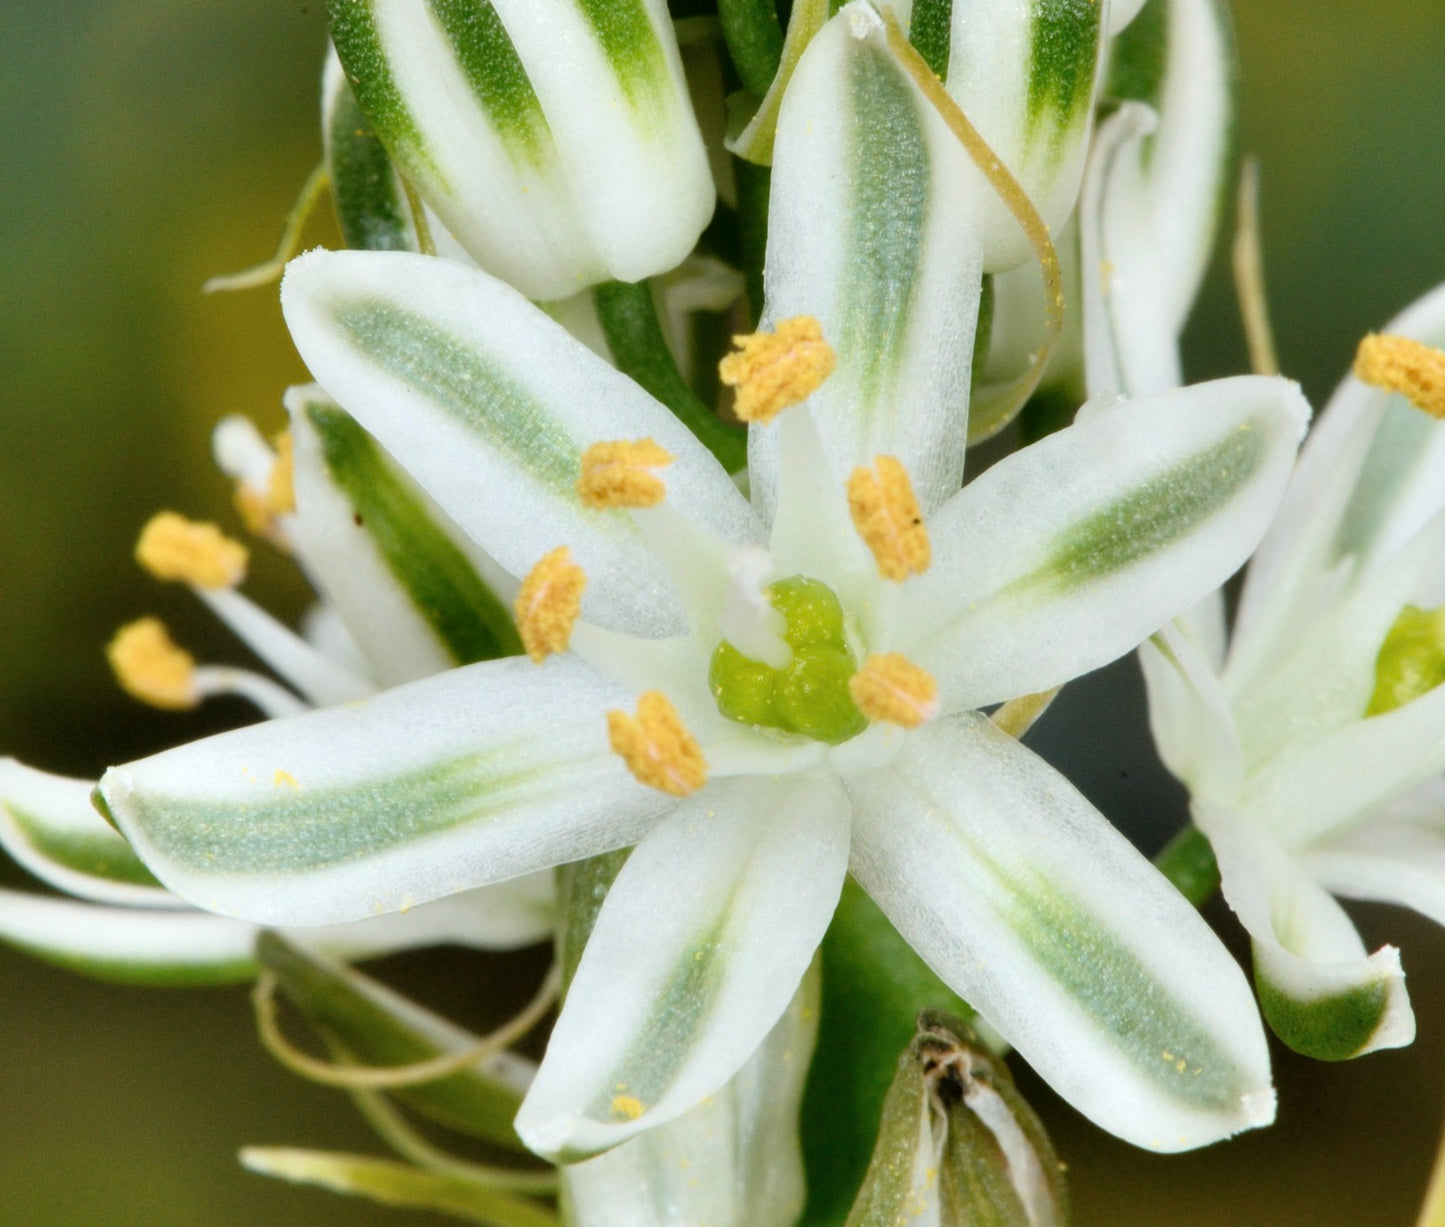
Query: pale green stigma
[[1411, 660], [810, 695]]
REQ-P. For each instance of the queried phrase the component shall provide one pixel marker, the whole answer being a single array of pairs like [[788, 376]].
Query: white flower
[[1058, 559], [1312, 749]]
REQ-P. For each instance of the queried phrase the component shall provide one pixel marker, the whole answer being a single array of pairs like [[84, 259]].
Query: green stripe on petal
[[369, 1024], [733, 891], [427, 563], [1152, 517], [1071, 552], [47, 825], [1331, 1028], [931, 32], [869, 232], [1063, 55], [476, 775], [1029, 904], [488, 405], [370, 200], [624, 29], [494, 71]]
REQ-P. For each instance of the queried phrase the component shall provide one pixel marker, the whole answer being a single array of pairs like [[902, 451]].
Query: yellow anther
[[151, 668], [772, 370], [627, 1106], [891, 688], [548, 604], [885, 513], [280, 486], [620, 474], [1398, 364], [173, 547], [656, 746]]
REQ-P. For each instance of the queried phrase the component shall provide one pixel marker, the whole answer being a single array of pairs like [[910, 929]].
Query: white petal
[[1152, 196], [1323, 995], [697, 950], [412, 588], [1386, 860], [473, 776], [733, 1159], [1069, 553], [867, 233], [1369, 479], [1193, 727], [1318, 786], [1030, 905], [489, 405], [48, 825]]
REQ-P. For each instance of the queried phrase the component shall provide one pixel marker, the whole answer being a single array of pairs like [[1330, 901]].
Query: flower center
[[810, 694]]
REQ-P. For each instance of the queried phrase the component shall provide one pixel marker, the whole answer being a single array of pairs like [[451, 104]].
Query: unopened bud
[[958, 1146], [554, 138]]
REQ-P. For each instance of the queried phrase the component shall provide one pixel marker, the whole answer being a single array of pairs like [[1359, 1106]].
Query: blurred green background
[[147, 146]]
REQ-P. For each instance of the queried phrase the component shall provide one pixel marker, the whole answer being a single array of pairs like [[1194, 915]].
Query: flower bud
[[554, 138], [1024, 72], [958, 1145]]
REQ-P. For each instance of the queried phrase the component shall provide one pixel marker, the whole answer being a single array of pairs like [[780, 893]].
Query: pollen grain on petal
[[548, 604], [773, 370], [891, 688], [886, 514], [151, 668], [656, 746], [172, 547], [1399, 364], [619, 474], [629, 1107]]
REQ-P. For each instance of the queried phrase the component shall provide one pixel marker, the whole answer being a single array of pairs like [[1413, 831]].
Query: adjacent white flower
[[1312, 749], [554, 138]]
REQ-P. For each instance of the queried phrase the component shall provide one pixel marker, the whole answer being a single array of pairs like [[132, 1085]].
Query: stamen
[[280, 487], [890, 687], [151, 668], [886, 514], [656, 746], [617, 474], [1398, 364], [548, 604], [172, 547], [773, 370]]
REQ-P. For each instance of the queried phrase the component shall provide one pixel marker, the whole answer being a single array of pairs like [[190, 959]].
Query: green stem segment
[[755, 40], [1188, 862], [634, 335]]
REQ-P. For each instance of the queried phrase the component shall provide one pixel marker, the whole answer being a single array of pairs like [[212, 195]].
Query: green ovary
[[1411, 660], [810, 696]]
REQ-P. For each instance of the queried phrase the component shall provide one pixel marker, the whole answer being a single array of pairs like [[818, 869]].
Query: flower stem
[[634, 334], [1188, 862], [755, 40]]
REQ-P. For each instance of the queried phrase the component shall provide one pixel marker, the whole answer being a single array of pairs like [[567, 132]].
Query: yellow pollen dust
[[628, 1106], [151, 668], [173, 547], [886, 514], [1398, 364], [656, 746], [619, 474], [891, 688], [548, 604], [773, 370]]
